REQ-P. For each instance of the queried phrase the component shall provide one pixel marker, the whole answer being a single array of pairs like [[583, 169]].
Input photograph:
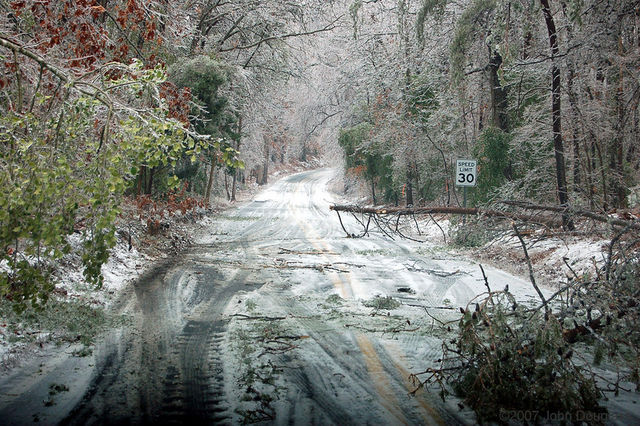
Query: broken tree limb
[[431, 210], [444, 235], [282, 250], [282, 264], [263, 318], [387, 219], [437, 273], [634, 224], [531, 275], [410, 211], [446, 308]]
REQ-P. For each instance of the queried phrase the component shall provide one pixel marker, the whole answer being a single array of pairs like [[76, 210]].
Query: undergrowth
[[386, 303], [58, 321]]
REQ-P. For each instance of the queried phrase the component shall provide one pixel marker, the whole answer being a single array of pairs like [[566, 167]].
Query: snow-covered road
[[354, 363], [270, 317]]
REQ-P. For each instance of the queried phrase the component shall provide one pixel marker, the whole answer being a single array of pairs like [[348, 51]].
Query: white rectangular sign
[[466, 172]]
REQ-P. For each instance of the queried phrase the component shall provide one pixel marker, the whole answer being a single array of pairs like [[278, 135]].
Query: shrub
[[387, 303], [512, 360]]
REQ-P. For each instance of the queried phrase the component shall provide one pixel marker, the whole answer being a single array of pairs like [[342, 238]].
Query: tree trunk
[[149, 185], [409, 194], [373, 191], [556, 113], [577, 178], [498, 99], [141, 179], [212, 170], [498, 96], [234, 182], [235, 170], [617, 150], [226, 185], [265, 170], [575, 142], [590, 152]]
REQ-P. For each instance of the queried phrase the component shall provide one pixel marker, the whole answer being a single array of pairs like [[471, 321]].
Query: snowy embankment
[[76, 311]]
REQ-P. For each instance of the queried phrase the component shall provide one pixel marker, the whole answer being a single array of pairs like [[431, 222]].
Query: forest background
[[104, 100]]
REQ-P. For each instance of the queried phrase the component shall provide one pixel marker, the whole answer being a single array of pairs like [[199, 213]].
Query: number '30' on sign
[[466, 172]]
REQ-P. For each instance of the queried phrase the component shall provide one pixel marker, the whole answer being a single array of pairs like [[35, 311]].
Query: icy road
[[271, 317]]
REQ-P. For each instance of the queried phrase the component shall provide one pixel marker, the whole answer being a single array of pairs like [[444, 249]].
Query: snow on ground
[[336, 286], [123, 267], [332, 295], [21, 340], [554, 259], [302, 296]]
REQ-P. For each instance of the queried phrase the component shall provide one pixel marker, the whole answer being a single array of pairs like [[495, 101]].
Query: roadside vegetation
[[559, 358], [59, 322]]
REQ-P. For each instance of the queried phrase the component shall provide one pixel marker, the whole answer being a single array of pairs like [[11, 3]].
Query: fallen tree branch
[[448, 308], [317, 267], [531, 275], [632, 224], [406, 211], [248, 317], [283, 250], [436, 272]]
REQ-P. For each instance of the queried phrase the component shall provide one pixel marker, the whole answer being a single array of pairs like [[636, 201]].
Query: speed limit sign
[[466, 172]]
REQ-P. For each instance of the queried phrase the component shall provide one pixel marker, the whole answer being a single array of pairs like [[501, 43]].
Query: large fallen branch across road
[[408, 211], [403, 210], [547, 218], [376, 213]]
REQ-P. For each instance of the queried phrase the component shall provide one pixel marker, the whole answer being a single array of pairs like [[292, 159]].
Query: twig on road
[[248, 317]]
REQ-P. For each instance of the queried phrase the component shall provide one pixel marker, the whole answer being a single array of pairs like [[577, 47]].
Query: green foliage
[[527, 97], [494, 165], [471, 234], [387, 303], [66, 174], [613, 296], [431, 183], [334, 299], [367, 159], [352, 140], [510, 359], [421, 99], [379, 170], [204, 76], [67, 321]]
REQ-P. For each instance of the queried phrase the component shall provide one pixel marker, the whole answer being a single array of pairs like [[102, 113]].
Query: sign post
[[466, 174]]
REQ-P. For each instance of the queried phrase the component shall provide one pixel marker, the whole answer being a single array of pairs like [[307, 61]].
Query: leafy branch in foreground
[[553, 358], [507, 358], [67, 172]]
